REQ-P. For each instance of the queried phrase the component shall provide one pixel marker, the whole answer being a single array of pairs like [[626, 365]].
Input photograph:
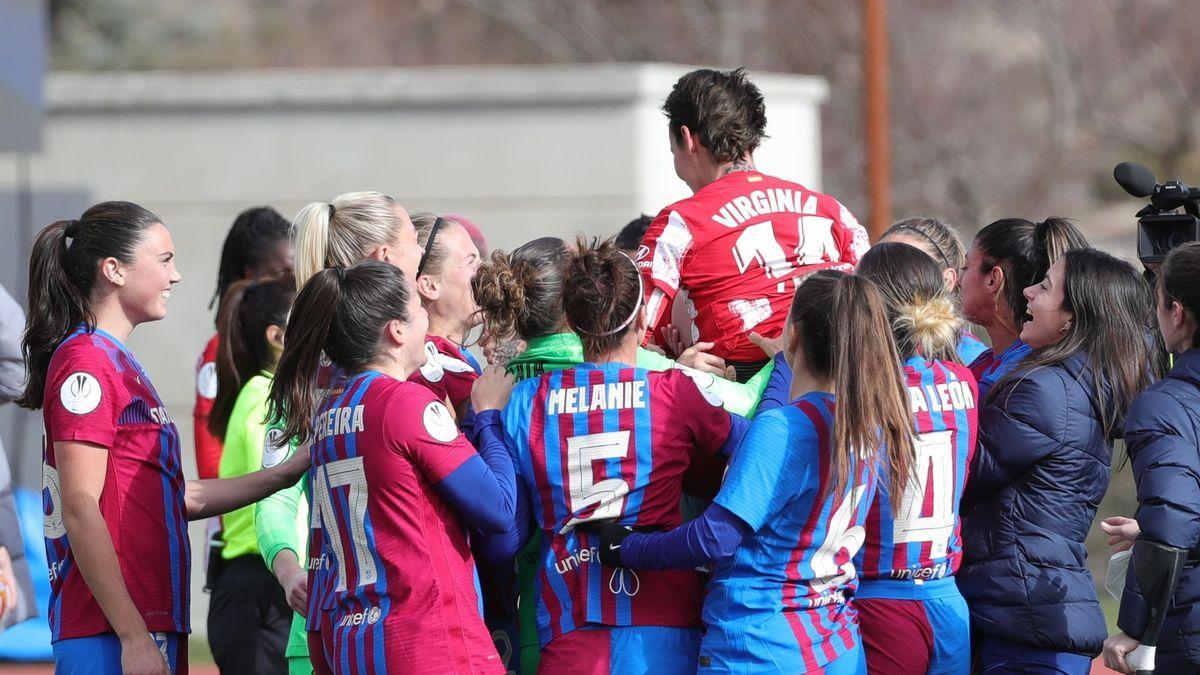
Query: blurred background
[[536, 117]]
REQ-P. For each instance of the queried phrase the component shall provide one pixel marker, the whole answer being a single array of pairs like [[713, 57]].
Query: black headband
[[941, 253], [437, 225]]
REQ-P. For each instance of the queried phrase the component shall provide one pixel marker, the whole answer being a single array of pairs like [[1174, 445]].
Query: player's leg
[[950, 621], [896, 635], [235, 617], [275, 629], [662, 650]]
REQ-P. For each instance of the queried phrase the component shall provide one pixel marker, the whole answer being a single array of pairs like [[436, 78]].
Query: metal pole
[[875, 85]]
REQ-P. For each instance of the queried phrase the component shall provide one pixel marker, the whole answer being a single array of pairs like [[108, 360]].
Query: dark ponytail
[[1025, 251], [340, 312], [247, 247], [1179, 279], [62, 272], [843, 327], [601, 295], [247, 310]]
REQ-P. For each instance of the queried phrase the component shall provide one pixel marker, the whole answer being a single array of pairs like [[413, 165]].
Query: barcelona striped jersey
[[602, 442], [397, 585], [98, 393], [780, 602], [922, 542]]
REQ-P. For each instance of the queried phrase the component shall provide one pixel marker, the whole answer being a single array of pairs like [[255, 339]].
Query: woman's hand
[[770, 346], [140, 655], [492, 389], [698, 358], [1115, 650], [1121, 532]]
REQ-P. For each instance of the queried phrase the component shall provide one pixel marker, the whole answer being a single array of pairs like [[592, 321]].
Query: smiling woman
[[116, 501]]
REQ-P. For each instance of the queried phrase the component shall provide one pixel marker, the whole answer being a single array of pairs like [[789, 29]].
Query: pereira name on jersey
[[739, 247], [598, 442], [97, 393], [922, 542], [398, 591]]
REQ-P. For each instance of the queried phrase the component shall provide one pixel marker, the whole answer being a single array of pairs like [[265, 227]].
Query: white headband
[[636, 306]]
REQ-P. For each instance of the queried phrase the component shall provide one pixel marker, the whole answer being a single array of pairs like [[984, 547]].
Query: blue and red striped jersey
[[398, 591], [609, 441], [991, 367], [922, 542], [780, 602], [98, 393]]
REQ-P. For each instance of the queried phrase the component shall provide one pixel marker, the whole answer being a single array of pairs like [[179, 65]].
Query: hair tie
[[340, 272], [332, 210]]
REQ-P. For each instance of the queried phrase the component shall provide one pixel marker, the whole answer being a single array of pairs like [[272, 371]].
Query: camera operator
[[1162, 585]]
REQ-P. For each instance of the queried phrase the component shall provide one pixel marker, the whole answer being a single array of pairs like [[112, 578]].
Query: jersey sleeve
[[766, 469], [661, 260], [423, 429], [208, 447], [84, 397], [853, 240], [708, 423]]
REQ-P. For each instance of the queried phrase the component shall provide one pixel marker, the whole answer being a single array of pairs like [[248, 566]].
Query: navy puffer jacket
[[1162, 435], [1038, 475]]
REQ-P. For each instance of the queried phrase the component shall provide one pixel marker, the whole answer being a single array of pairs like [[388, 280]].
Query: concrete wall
[[523, 151]]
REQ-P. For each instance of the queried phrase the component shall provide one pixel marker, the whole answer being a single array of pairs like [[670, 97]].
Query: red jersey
[[97, 392], [449, 371], [604, 441], [739, 247], [208, 447], [400, 586]]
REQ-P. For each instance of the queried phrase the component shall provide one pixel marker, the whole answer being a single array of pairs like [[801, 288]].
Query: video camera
[[1160, 226]]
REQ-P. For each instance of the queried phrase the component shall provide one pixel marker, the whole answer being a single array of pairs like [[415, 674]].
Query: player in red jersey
[[444, 276], [116, 501], [257, 246], [394, 483], [741, 244], [605, 440]]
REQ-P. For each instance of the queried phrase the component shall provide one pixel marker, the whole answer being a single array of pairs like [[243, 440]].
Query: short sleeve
[[767, 469], [84, 397], [423, 429], [706, 419]]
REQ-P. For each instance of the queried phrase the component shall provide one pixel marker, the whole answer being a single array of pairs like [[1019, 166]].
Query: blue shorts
[[997, 657], [605, 650], [101, 654], [914, 628]]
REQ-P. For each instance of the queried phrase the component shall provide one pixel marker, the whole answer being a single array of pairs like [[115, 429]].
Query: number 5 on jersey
[[583, 491]]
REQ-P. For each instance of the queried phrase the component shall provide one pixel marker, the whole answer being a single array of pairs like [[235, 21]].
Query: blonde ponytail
[[342, 232], [930, 327]]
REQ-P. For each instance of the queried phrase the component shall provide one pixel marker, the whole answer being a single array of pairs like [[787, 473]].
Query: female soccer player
[[117, 504], [607, 440], [911, 615], [393, 481], [790, 517], [257, 245], [942, 243], [1162, 436], [444, 276], [248, 615], [1007, 257], [352, 227], [1042, 467]]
